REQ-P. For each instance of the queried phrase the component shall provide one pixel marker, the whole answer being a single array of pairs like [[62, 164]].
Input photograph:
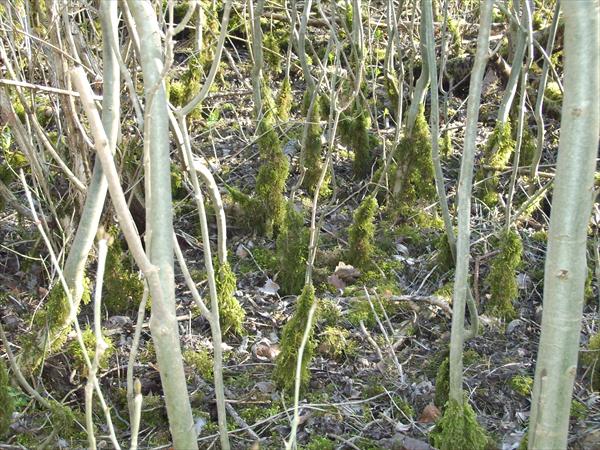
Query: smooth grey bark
[[435, 123], [566, 268], [74, 269], [159, 219], [465, 187]]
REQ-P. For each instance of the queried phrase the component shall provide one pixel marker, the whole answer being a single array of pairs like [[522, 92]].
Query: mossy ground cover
[[348, 389]]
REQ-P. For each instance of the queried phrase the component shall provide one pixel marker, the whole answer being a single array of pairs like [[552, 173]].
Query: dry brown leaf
[[430, 414]]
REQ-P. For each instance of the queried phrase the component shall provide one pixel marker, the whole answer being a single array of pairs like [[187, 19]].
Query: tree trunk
[[566, 268]]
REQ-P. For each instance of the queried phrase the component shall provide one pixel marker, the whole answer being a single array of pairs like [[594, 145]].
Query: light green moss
[[123, 288], [335, 342], [292, 251], [65, 420], [272, 176], [412, 173], [578, 410], [231, 313], [291, 338], [454, 30], [6, 400], [361, 233], [458, 429], [442, 384], [521, 384], [201, 361], [499, 148], [501, 279], [390, 83], [89, 339], [312, 150], [444, 258], [284, 100], [319, 443], [446, 148], [553, 98]]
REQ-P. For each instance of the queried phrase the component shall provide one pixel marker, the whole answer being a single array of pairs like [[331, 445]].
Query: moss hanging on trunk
[[292, 250], [362, 232], [502, 279], [291, 338]]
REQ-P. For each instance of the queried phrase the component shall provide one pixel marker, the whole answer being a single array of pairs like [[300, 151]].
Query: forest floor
[[373, 376]]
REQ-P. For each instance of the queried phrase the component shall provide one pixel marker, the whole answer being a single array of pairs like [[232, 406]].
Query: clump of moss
[[521, 384], [319, 443], [312, 150], [6, 400], [66, 420], [458, 428], [501, 279], [335, 342], [231, 313], [50, 327], [291, 338], [454, 30], [253, 414], [202, 361], [446, 148], [360, 310], [328, 312], [553, 98], [361, 145], [361, 233], [413, 169], [89, 339], [497, 153], [271, 44], [444, 258], [390, 83], [272, 175], [578, 410], [284, 100], [292, 251], [442, 383], [122, 285], [177, 93]]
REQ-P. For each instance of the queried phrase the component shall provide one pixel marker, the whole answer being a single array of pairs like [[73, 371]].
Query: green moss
[[588, 291], [253, 414], [454, 30], [123, 288], [312, 150], [458, 428], [272, 176], [201, 361], [499, 148], [65, 420], [412, 171], [319, 443], [521, 384], [291, 338], [292, 251], [361, 145], [361, 233], [177, 92], [578, 410], [284, 100], [442, 384], [272, 54], [6, 400], [231, 313], [553, 98], [390, 83], [328, 312], [501, 279], [335, 342], [89, 339], [444, 258], [360, 310], [154, 413]]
